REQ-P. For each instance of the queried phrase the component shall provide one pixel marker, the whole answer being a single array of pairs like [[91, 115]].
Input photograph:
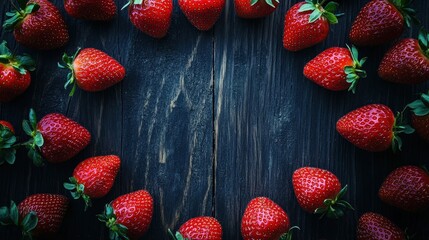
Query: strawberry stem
[[77, 191], [354, 73], [117, 230], [36, 142], [334, 208], [177, 236], [289, 234], [71, 76]]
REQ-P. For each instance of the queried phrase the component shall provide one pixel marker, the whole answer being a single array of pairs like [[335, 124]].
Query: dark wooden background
[[206, 121]]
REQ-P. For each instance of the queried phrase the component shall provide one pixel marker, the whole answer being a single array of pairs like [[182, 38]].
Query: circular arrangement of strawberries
[[56, 138]]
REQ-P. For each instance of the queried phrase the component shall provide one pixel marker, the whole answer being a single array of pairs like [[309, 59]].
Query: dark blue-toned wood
[[270, 120], [206, 121]]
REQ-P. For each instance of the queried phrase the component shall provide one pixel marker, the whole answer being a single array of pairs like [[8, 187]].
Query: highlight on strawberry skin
[[207, 228]]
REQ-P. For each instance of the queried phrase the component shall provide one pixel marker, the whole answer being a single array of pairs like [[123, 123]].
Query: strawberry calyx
[[132, 2], [319, 11], [407, 13], [36, 142], [424, 42], [420, 107], [7, 147], [400, 127], [117, 230], [17, 16], [177, 236], [68, 63], [288, 235], [77, 191], [334, 208], [268, 2], [10, 216], [355, 72], [22, 64]]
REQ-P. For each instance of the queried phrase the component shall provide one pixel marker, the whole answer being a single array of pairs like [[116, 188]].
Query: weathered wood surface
[[208, 120]]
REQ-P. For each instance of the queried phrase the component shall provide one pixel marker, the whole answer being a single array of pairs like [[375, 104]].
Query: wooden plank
[[270, 120], [159, 120]]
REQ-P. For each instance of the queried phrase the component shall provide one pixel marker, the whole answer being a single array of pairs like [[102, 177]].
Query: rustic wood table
[[206, 121]]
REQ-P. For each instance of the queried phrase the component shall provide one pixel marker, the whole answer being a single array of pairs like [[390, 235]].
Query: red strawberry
[[319, 191], [14, 73], [56, 137], [407, 62], [37, 215], [380, 21], [93, 178], [7, 141], [255, 8], [406, 188], [263, 219], [92, 70], [373, 128], [336, 69], [307, 24], [373, 226], [202, 14], [37, 24], [95, 10], [199, 228], [420, 116], [129, 215], [152, 17]]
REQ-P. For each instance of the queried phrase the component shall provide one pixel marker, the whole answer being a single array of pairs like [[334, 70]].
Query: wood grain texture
[[270, 120], [207, 121]]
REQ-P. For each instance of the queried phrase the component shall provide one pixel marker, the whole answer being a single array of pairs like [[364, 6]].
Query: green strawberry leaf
[[331, 7], [29, 222], [334, 208]]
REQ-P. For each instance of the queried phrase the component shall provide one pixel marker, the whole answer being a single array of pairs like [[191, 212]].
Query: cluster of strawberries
[[55, 138]]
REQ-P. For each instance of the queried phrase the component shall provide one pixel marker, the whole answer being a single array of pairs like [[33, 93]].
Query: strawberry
[[37, 24], [373, 226], [93, 178], [381, 21], [319, 191], [199, 228], [7, 141], [336, 69], [420, 116], [37, 215], [14, 73], [307, 24], [373, 128], [202, 14], [129, 215], [92, 70], [263, 219], [55, 137], [407, 62], [406, 188], [255, 8], [153, 17], [95, 10]]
